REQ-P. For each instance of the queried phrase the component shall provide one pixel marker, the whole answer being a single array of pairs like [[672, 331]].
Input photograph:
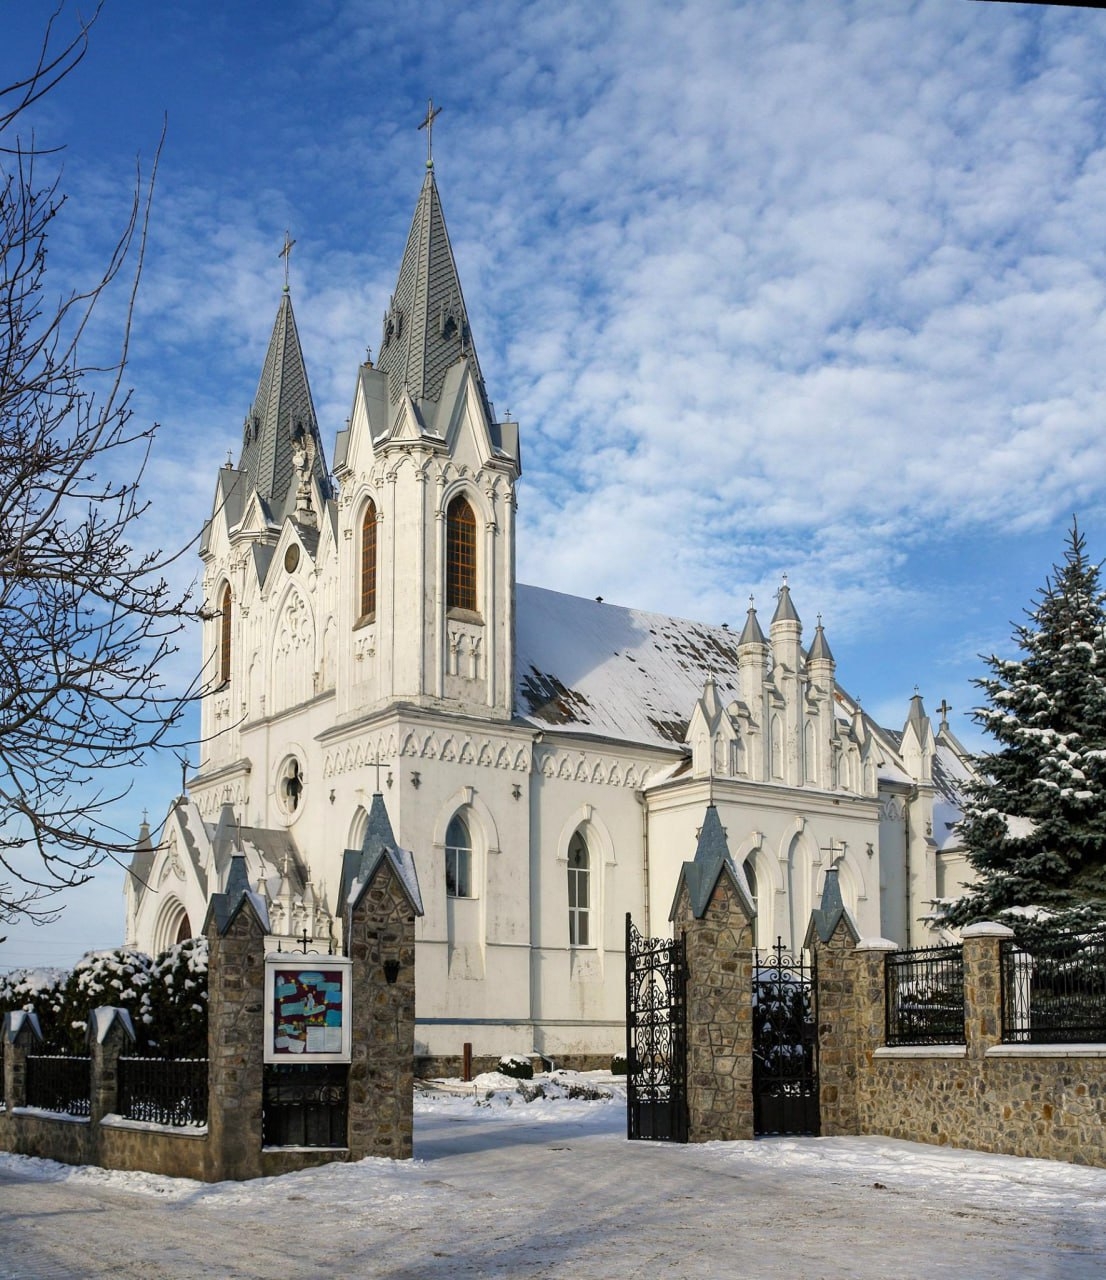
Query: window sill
[[465, 615], [365, 620]]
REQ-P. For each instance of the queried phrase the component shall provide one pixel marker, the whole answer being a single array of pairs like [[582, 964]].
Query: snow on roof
[[588, 667]]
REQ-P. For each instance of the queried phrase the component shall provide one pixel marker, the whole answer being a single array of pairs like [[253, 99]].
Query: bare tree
[[85, 619]]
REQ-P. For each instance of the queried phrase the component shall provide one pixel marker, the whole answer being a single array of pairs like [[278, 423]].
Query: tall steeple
[[282, 421], [426, 328]]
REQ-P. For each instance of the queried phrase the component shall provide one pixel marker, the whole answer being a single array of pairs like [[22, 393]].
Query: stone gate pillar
[[380, 940], [235, 1035], [846, 981], [713, 909]]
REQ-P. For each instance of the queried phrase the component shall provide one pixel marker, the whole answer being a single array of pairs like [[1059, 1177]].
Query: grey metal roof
[[785, 610], [819, 648], [830, 911], [751, 632], [282, 404], [426, 329], [712, 860]]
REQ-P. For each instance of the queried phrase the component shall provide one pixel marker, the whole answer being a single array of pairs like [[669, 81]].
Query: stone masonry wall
[[1047, 1101], [109, 1142], [719, 1016]]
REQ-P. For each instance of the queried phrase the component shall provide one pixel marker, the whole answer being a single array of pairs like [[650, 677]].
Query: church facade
[[372, 666]]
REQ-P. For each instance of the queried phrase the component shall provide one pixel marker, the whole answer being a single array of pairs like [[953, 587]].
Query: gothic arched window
[[579, 891], [368, 563], [458, 859], [224, 636], [460, 570]]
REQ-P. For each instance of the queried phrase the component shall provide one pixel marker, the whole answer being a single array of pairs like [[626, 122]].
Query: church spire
[[282, 419], [426, 329]]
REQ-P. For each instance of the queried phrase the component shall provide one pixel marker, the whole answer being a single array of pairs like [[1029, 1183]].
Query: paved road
[[485, 1198]]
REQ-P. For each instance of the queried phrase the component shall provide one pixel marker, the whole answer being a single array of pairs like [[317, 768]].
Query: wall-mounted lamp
[[516, 791], [391, 972], [388, 779], [331, 795], [416, 780]]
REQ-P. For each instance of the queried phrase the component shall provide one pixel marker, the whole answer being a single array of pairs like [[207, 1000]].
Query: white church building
[[547, 759]]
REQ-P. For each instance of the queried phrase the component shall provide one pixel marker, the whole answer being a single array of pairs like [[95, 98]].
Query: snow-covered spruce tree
[[1035, 823]]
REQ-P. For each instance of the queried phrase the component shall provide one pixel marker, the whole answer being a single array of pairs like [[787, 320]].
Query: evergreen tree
[[1035, 822]]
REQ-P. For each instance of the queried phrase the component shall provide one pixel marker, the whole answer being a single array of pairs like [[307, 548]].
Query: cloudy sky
[[787, 286]]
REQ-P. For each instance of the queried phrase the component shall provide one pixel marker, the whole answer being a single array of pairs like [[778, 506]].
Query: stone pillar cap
[[987, 929], [877, 944]]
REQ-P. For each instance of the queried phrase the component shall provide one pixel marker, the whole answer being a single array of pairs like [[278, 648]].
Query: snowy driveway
[[553, 1189]]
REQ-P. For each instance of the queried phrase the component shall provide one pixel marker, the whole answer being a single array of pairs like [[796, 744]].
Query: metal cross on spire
[[428, 125], [286, 254]]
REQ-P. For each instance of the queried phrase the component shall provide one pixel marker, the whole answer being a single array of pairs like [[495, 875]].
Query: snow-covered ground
[[551, 1188]]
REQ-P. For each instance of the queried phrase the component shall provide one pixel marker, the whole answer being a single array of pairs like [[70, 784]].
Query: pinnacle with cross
[[428, 125], [944, 709]]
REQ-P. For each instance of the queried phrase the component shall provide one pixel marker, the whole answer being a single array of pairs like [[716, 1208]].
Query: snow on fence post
[[22, 1035], [110, 1032]]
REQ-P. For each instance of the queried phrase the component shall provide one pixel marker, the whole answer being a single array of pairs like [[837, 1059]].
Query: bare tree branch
[[85, 620]]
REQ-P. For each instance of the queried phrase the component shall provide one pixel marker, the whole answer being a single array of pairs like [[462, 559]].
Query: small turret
[[819, 649]]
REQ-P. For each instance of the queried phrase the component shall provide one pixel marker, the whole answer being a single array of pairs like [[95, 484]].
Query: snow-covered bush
[[618, 1064], [166, 998], [177, 1026], [517, 1067], [118, 978]]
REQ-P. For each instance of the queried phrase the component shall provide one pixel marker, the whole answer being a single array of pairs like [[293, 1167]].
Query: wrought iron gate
[[656, 1037], [785, 1044]]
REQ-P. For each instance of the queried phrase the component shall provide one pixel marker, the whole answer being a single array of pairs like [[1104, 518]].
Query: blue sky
[[814, 288]]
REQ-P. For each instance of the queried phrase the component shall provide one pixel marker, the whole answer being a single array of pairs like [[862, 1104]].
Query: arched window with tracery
[[224, 635], [368, 563], [460, 556], [579, 892], [458, 859]]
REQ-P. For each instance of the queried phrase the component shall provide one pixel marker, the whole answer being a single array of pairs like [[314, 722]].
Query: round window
[[292, 558], [290, 785]]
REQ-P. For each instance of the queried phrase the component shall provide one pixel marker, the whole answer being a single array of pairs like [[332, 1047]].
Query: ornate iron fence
[[57, 1083], [169, 1091], [1054, 992], [925, 996]]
